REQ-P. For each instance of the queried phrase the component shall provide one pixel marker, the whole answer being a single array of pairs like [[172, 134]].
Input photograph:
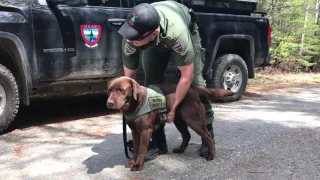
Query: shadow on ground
[[59, 109], [107, 155]]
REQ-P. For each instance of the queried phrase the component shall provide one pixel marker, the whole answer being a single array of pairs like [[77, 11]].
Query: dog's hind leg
[[194, 116], [211, 148], [183, 129], [202, 131]]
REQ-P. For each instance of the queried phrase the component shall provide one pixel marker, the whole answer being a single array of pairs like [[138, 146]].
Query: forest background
[[295, 30], [295, 43]]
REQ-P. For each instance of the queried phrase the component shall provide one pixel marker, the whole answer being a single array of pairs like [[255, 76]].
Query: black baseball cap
[[141, 19]]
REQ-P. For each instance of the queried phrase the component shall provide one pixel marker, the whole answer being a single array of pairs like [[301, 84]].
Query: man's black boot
[[203, 151], [159, 145]]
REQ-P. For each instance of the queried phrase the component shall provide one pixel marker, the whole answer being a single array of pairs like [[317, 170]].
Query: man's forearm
[[183, 84], [181, 91], [130, 73]]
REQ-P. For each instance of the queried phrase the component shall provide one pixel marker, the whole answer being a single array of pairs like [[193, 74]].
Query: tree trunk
[[273, 2], [316, 15], [304, 27]]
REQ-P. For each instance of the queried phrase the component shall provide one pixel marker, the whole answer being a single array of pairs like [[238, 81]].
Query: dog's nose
[[110, 104]]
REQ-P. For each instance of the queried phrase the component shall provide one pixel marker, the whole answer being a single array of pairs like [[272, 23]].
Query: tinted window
[[94, 2], [108, 3], [131, 3], [112, 3]]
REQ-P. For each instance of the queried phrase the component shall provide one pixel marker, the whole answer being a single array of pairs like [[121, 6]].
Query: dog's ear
[[135, 89]]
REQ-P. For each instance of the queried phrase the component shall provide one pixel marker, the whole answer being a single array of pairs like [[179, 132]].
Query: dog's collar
[[155, 100]]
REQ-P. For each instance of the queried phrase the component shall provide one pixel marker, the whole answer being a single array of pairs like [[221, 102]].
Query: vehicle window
[[112, 3], [94, 2], [42, 2], [131, 3], [108, 3], [147, 1], [119, 3]]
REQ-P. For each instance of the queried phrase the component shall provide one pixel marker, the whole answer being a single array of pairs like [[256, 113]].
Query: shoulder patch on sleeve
[[128, 50], [178, 48]]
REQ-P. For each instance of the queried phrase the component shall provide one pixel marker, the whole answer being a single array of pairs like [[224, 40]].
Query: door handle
[[116, 21]]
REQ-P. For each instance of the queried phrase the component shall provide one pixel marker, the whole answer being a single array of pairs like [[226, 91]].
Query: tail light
[[269, 35]]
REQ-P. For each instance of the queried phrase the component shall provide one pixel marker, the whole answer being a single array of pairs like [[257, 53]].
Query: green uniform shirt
[[174, 35]]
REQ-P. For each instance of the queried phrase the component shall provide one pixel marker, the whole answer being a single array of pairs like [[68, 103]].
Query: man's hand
[[170, 116]]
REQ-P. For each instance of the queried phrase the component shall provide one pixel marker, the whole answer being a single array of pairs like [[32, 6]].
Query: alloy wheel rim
[[3, 99], [232, 78]]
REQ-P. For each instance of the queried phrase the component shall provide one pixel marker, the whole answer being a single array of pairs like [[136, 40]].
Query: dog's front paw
[[129, 164], [136, 167], [210, 156]]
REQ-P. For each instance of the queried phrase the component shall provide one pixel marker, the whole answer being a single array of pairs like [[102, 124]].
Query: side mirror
[[72, 3]]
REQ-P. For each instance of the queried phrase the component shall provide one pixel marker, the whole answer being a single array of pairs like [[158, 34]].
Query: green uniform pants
[[155, 62]]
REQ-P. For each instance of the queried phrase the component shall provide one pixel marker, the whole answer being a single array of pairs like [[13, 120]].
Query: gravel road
[[268, 134]]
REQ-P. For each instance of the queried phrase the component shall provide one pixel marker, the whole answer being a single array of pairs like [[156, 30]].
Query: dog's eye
[[120, 90]]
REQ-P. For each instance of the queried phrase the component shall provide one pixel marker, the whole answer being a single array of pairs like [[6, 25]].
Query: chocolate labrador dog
[[127, 96]]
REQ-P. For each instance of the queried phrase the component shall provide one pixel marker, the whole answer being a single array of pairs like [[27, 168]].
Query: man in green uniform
[[155, 33]]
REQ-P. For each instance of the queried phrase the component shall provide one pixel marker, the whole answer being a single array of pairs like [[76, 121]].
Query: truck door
[[78, 42]]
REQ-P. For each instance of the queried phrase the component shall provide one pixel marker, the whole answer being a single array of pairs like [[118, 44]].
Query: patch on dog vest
[[128, 50], [157, 102], [178, 48]]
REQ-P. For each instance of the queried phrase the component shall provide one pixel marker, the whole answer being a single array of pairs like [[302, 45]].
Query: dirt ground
[[271, 133]]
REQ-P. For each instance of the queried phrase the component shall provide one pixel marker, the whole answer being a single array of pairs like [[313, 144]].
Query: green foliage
[[294, 28], [307, 63]]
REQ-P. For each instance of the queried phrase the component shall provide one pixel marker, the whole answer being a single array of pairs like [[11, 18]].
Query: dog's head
[[122, 91]]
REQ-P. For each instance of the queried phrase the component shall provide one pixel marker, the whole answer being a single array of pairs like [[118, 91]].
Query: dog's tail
[[213, 93]]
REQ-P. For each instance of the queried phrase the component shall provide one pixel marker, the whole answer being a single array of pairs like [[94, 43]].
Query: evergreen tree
[[296, 27]]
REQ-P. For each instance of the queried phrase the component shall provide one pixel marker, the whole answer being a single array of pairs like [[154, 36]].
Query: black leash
[[124, 131]]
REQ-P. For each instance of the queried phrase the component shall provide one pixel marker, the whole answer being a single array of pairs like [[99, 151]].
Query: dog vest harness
[[155, 101]]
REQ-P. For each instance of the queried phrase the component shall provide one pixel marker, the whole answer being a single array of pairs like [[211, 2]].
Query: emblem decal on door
[[90, 34]]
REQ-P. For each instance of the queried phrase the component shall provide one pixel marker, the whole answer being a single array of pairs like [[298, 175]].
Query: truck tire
[[230, 72], [9, 98]]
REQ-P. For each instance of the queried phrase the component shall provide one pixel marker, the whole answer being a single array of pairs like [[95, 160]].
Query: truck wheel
[[9, 98], [230, 72]]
